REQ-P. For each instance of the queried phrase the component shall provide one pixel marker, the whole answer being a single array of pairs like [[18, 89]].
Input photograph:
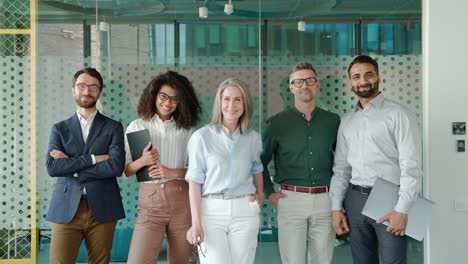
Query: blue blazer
[[102, 191]]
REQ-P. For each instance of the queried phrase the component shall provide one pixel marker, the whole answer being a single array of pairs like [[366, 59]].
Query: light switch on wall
[[461, 145]]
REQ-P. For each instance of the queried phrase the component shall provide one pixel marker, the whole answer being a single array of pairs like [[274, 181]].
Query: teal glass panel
[[215, 34], [391, 38], [233, 38], [200, 38]]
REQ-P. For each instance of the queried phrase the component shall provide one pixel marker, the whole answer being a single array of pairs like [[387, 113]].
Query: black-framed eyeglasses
[[197, 249], [308, 81], [165, 97], [82, 86]]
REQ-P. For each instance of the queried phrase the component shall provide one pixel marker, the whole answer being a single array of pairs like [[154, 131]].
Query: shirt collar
[[234, 135], [376, 102], [296, 112], [89, 119], [159, 120]]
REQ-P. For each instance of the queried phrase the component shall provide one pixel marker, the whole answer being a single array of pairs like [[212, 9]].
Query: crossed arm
[[109, 165]]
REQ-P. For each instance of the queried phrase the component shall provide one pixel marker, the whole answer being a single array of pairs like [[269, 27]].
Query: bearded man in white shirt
[[379, 138]]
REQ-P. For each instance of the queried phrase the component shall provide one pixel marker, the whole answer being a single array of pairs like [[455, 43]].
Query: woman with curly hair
[[169, 109]]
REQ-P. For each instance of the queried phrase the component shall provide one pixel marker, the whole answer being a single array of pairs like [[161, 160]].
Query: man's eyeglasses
[[299, 82], [92, 87], [165, 97]]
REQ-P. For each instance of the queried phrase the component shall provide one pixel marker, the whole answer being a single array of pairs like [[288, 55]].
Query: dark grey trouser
[[368, 238]]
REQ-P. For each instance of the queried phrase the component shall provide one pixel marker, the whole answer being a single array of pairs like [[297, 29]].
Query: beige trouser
[[66, 238], [163, 209], [304, 221]]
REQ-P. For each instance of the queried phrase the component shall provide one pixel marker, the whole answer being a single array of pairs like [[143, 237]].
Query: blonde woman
[[225, 180]]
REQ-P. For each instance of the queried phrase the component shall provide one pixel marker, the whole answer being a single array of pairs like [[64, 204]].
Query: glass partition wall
[[132, 41]]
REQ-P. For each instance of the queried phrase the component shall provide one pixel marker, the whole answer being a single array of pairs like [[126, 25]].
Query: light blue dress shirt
[[222, 164]]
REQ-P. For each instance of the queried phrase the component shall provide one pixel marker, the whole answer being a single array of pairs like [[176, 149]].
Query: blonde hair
[[217, 115]]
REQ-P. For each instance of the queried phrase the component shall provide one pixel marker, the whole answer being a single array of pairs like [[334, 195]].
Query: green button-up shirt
[[302, 150]]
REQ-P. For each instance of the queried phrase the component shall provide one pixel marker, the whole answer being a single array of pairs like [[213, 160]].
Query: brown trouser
[[66, 238], [163, 209]]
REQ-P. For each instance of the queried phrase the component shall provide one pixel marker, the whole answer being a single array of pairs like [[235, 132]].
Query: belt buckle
[[229, 197]]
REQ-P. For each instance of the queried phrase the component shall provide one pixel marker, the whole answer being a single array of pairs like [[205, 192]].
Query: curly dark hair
[[188, 109]]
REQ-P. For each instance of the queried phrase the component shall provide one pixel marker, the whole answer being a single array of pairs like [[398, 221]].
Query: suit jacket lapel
[[75, 130], [98, 124]]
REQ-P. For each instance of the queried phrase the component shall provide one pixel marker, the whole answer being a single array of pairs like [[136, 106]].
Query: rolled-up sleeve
[[196, 171], [257, 166]]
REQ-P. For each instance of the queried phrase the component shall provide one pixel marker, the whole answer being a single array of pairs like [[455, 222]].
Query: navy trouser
[[368, 238]]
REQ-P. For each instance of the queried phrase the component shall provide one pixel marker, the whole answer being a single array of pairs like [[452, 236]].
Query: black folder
[[137, 141]]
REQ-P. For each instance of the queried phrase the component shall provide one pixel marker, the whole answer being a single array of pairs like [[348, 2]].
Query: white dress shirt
[[170, 141], [382, 140], [85, 124], [223, 164]]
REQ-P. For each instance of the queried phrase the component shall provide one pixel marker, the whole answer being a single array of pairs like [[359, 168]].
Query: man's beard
[[374, 88], [87, 105]]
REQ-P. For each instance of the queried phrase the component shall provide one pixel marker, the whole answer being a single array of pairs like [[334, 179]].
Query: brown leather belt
[[319, 189]]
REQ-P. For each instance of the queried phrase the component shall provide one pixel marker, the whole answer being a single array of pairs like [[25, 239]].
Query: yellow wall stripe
[[33, 78], [34, 229], [17, 31]]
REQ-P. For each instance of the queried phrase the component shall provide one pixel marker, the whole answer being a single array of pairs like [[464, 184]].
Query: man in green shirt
[[301, 141]]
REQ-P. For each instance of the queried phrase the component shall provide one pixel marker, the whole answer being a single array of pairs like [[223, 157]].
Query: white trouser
[[305, 219], [231, 228]]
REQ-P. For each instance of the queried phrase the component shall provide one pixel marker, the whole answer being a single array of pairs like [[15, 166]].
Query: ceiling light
[[228, 8], [203, 12], [301, 25]]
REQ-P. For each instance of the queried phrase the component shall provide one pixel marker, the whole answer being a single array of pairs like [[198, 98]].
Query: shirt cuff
[[193, 176], [336, 205], [75, 175], [256, 171], [403, 206], [93, 158]]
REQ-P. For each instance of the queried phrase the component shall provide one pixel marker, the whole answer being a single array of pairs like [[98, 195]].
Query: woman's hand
[[160, 172], [258, 196], [149, 157], [195, 235]]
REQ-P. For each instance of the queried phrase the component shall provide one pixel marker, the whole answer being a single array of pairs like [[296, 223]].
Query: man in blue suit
[[86, 153]]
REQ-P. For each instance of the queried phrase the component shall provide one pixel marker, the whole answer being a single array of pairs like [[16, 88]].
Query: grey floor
[[267, 253]]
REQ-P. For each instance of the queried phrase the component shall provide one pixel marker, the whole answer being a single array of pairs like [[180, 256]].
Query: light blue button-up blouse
[[222, 164]]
